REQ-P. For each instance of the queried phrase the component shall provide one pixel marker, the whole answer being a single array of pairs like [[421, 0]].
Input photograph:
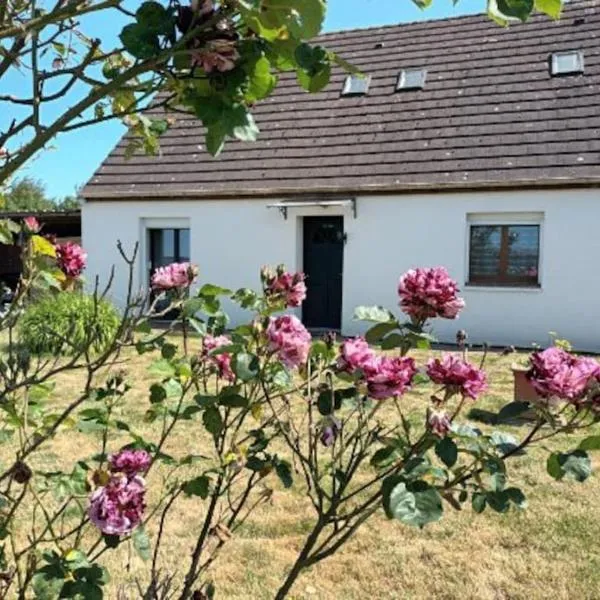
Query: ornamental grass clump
[[64, 323]]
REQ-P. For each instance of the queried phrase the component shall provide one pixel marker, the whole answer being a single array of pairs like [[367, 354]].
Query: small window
[[567, 63], [356, 85], [411, 79], [167, 246], [504, 255]]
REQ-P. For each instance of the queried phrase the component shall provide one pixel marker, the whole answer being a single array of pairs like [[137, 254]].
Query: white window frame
[[499, 219], [556, 56], [347, 89], [401, 84]]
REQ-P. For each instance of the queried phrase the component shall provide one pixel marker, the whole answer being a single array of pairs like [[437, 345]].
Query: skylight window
[[567, 63], [411, 79], [356, 85]]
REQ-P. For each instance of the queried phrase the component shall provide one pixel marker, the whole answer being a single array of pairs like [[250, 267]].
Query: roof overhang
[[95, 194]]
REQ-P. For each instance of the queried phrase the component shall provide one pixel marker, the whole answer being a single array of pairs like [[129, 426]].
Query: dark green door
[[323, 265]]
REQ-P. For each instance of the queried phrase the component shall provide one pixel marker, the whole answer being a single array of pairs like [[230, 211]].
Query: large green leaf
[[573, 465], [197, 487], [590, 443], [516, 9], [552, 8], [377, 332], [284, 472], [374, 314], [447, 451], [415, 503], [302, 18], [155, 18], [245, 366], [213, 422], [261, 82], [141, 543], [139, 41]]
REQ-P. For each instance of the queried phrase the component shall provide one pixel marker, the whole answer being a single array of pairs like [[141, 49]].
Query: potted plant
[[523, 389]]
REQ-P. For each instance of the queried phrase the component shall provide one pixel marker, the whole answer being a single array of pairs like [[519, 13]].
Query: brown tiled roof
[[490, 116]]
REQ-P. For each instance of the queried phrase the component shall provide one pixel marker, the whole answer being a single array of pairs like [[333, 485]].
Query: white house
[[468, 146]]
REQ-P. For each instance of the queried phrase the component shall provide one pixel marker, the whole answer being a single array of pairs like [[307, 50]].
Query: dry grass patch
[[548, 551]]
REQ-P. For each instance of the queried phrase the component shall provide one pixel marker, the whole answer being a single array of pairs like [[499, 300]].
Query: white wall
[[231, 239]]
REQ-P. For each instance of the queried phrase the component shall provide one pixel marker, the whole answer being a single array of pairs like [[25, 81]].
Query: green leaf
[[141, 543], [139, 41], [375, 314], [261, 81], [245, 129], [504, 442], [384, 457], [447, 451], [517, 497], [215, 139], [590, 443], [498, 501], [377, 332], [478, 502], [197, 487], [395, 340], [415, 503], [245, 366], [213, 422], [157, 393], [154, 18], [302, 18], [162, 368], [168, 351], [552, 8], [284, 472], [111, 541], [234, 401], [208, 289], [315, 82], [573, 465], [173, 388], [518, 9]]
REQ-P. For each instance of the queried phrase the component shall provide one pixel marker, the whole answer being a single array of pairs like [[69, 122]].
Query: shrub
[[64, 323]]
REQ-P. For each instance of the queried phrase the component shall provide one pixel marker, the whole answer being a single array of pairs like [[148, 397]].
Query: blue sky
[[74, 156]]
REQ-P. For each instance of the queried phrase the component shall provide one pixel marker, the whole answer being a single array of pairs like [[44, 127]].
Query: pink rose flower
[[289, 339], [356, 354], [130, 462], [285, 287], [71, 259], [457, 375], [118, 507], [217, 55], [389, 377], [175, 276], [440, 423], [31, 225], [557, 373], [429, 293], [221, 361]]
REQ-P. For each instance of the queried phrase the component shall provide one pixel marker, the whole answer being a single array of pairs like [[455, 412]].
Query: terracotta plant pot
[[523, 390]]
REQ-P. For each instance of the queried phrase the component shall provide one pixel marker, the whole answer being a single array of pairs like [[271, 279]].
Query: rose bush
[[273, 402]]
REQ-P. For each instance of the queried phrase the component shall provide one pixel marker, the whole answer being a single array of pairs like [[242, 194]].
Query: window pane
[[486, 241], [523, 250], [184, 245], [162, 247]]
